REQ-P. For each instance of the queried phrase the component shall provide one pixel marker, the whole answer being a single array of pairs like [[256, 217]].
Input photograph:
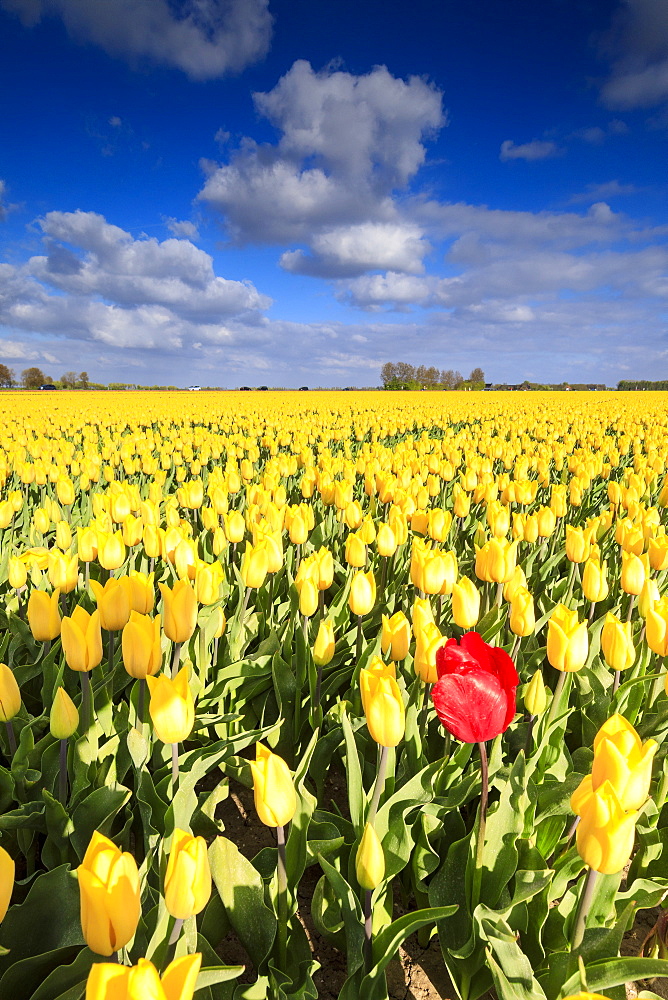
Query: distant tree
[[477, 375], [388, 373], [32, 378], [6, 377], [83, 380], [448, 378], [69, 380], [405, 373], [457, 379]]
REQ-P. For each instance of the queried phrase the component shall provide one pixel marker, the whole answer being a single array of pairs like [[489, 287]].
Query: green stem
[[175, 768], [584, 906], [358, 643], [11, 737], [368, 930], [556, 697], [140, 703], [378, 787], [85, 701], [499, 595], [112, 645], [176, 656], [480, 831], [282, 899], [176, 932], [62, 773]]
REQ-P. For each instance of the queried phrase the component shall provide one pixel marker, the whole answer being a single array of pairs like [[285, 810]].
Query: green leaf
[[354, 775], [97, 812], [241, 890], [351, 914]]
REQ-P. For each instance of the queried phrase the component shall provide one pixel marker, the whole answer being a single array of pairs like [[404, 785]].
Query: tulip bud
[[275, 796], [633, 573], [63, 571], [577, 548], [465, 603], [254, 565], [428, 640], [323, 648], [171, 707], [396, 635], [308, 598], [362, 593], [594, 580], [179, 611], [7, 876], [386, 543], [325, 564], [383, 704], [657, 627], [64, 716], [422, 613], [535, 695], [648, 596], [43, 615], [235, 528], [370, 860], [522, 617], [141, 645], [109, 890], [17, 573], [110, 549], [142, 592], [10, 694], [188, 876], [617, 643], [355, 554]]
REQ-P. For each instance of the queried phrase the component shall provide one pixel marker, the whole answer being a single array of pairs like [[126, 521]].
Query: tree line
[[641, 385], [405, 376], [33, 378]]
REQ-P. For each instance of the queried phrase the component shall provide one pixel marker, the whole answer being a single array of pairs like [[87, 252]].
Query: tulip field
[[422, 635]]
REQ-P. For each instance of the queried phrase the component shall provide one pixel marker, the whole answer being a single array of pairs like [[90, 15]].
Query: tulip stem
[[175, 768], [368, 930], [556, 698], [527, 742], [62, 774], [516, 647], [592, 612], [615, 683], [176, 656], [358, 643], [584, 906], [176, 932], [378, 787], [244, 606], [85, 701], [11, 737], [499, 595], [632, 601], [569, 588], [282, 899], [383, 574], [140, 703], [112, 644], [482, 822]]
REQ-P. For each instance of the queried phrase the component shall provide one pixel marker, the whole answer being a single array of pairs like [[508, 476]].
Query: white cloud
[[369, 246], [637, 46], [96, 283], [206, 39], [347, 145], [602, 192], [537, 149], [182, 228]]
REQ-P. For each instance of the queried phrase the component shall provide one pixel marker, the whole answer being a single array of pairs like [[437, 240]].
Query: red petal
[[474, 644], [504, 668], [472, 706]]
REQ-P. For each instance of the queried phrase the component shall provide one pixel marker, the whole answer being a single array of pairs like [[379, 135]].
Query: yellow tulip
[[383, 704], [17, 573], [208, 578], [171, 706], [188, 876], [142, 651], [386, 542], [657, 627], [657, 550], [633, 573], [522, 617], [109, 890], [323, 647], [10, 694], [63, 571], [87, 544], [606, 831], [577, 546], [110, 549], [235, 527], [142, 592], [428, 639], [325, 563], [114, 602], [567, 640], [64, 716], [362, 593], [81, 637], [275, 796], [421, 614], [595, 579], [370, 860], [7, 875], [308, 598], [355, 552], [43, 615], [617, 643], [396, 635], [535, 695], [465, 603], [254, 565], [179, 610]]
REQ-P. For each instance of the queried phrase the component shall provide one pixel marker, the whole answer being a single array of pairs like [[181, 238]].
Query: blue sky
[[231, 192]]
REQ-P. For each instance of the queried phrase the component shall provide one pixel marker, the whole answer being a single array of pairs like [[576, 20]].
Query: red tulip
[[474, 696]]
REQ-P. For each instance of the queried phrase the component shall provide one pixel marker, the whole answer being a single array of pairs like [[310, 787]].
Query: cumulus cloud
[[95, 282], [204, 38], [347, 145], [604, 191], [369, 246], [537, 149], [637, 47]]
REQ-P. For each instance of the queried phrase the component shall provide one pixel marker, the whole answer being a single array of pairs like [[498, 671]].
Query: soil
[[418, 973]]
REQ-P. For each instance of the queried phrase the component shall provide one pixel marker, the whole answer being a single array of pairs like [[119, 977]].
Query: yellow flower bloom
[[656, 624], [43, 615], [370, 859], [179, 610], [64, 716], [535, 695], [172, 708], [114, 602], [362, 593], [7, 875], [10, 694], [567, 640], [81, 637], [275, 796], [383, 704], [109, 890], [617, 643], [606, 831], [323, 647], [142, 981], [188, 876], [396, 636], [465, 603], [142, 652]]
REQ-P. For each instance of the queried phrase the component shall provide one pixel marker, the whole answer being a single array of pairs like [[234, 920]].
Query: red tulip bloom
[[474, 696]]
